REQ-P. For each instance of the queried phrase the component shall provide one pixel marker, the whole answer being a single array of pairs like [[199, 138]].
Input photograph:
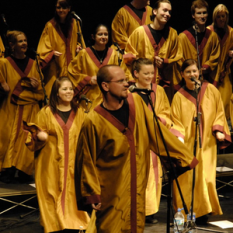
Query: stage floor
[[31, 223]]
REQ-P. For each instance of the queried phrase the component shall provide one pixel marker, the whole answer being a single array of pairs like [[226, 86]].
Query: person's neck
[[112, 104], [99, 47], [200, 28], [157, 26], [138, 4], [19, 55], [64, 107], [139, 85]]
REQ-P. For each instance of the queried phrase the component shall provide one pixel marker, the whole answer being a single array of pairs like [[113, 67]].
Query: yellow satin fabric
[[49, 173], [13, 151], [83, 68], [2, 48], [183, 112], [51, 41], [124, 24], [103, 166]]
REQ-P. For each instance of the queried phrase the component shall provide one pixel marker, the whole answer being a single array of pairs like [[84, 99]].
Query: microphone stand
[[80, 35], [170, 173], [197, 47]]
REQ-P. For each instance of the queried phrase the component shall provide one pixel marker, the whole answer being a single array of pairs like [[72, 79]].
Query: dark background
[[30, 16]]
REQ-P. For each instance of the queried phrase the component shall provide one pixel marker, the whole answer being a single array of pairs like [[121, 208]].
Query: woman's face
[[101, 36], [145, 76], [21, 46], [65, 92], [62, 11], [188, 73], [221, 19]]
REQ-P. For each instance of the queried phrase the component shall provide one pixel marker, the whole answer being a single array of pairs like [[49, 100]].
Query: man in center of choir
[[158, 42]]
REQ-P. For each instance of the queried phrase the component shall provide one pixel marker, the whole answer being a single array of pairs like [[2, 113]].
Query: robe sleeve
[[176, 116], [77, 74], [45, 47], [180, 155], [32, 129], [212, 62], [87, 184], [220, 123], [119, 33]]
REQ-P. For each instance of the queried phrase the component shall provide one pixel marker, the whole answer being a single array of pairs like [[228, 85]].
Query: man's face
[[118, 86], [163, 13], [200, 16]]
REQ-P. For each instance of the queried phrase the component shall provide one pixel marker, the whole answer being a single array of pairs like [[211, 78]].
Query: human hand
[[158, 61], [34, 82], [94, 80], [78, 48], [230, 53], [57, 54], [96, 206], [5, 87], [220, 136], [42, 136]]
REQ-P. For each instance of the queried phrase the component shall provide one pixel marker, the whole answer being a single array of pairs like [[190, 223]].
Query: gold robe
[[21, 104], [54, 169], [209, 52], [222, 78], [52, 39], [84, 66], [125, 22], [154, 185], [112, 165], [2, 48], [183, 111], [142, 44]]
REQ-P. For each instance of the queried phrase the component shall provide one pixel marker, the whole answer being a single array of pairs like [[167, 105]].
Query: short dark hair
[[188, 63], [156, 7], [137, 63], [199, 4], [53, 99], [104, 75]]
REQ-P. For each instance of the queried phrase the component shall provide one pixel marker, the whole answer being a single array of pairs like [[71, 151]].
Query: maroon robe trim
[[131, 12], [193, 163], [65, 127], [203, 43], [23, 75], [44, 62], [129, 133], [92, 199], [176, 133], [84, 83], [193, 100], [66, 40], [155, 46], [227, 141], [95, 59]]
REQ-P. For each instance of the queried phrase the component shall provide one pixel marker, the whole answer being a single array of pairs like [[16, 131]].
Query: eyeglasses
[[61, 7], [121, 81]]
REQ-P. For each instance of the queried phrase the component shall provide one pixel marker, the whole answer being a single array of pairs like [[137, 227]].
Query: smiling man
[[113, 156], [159, 43], [209, 48]]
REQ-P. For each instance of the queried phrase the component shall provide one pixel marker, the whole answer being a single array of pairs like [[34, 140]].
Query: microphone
[[195, 80], [195, 24], [137, 89], [83, 97], [118, 47], [76, 17]]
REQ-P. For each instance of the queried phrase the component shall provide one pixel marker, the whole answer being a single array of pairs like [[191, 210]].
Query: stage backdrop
[[30, 16]]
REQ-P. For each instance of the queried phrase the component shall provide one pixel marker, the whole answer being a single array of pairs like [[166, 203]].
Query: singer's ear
[[135, 74], [105, 86]]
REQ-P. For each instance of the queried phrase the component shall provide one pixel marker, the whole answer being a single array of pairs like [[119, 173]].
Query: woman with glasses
[[54, 137], [59, 43], [83, 69]]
